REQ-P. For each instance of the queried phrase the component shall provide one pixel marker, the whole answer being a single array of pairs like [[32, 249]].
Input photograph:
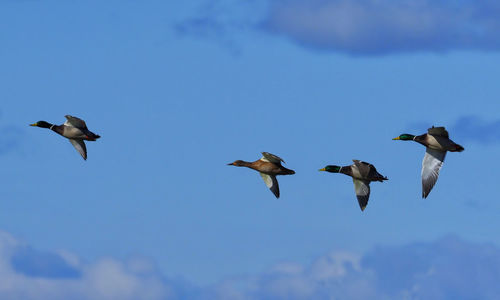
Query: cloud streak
[[374, 27], [222, 21], [27, 274], [357, 27], [476, 129], [10, 138], [446, 269]]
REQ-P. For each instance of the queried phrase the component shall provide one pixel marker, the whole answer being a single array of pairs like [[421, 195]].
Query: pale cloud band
[[477, 129], [361, 27], [387, 26], [448, 268], [29, 274]]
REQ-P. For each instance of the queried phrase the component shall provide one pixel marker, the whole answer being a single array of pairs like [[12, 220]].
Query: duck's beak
[[322, 169], [230, 164], [34, 124], [396, 138]]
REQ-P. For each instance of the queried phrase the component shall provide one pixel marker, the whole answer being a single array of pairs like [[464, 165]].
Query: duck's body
[[73, 129], [74, 132], [437, 138], [269, 166], [362, 174], [437, 143], [363, 171], [265, 167]]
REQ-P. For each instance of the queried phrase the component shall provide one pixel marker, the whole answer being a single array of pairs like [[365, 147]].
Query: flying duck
[[268, 166], [75, 130], [437, 143], [362, 174]]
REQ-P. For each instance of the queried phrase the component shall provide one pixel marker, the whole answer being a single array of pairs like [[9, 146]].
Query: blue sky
[[178, 90]]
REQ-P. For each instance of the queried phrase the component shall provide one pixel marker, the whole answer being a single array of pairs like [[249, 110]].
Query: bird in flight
[[75, 130], [437, 142], [362, 174], [269, 166]]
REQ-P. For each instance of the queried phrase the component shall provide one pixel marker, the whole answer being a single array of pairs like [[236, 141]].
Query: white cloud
[[29, 274], [387, 26], [446, 269], [358, 27]]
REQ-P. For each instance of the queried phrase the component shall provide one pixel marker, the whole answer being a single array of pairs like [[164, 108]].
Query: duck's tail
[[457, 148], [285, 171], [378, 177], [92, 136], [382, 178]]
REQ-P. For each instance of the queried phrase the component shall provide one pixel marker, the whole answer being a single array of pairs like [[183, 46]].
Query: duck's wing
[[432, 163], [80, 147], [75, 122], [438, 131], [362, 189], [364, 168], [272, 183], [369, 171], [266, 156]]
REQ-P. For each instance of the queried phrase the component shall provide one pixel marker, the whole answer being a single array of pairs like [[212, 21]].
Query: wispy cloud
[[358, 27], [10, 138], [446, 269], [223, 21], [473, 128], [27, 274], [370, 27]]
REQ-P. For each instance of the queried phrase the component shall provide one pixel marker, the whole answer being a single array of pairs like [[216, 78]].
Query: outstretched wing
[[357, 161], [272, 183], [438, 131], [80, 147], [271, 158], [75, 122], [362, 189], [432, 163]]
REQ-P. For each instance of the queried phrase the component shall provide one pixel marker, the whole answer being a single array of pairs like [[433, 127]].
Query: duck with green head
[[75, 130], [437, 143], [362, 174]]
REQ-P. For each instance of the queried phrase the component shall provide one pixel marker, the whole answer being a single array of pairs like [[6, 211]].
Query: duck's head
[[405, 137], [41, 124], [238, 163], [331, 169]]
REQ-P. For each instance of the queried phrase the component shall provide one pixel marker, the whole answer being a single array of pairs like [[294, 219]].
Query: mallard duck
[[268, 166], [73, 129], [437, 142], [362, 174]]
